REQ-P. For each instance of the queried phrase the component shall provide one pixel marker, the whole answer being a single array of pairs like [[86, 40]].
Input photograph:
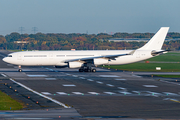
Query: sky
[[88, 16]]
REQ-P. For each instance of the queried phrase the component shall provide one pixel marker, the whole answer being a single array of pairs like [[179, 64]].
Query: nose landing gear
[[20, 70]]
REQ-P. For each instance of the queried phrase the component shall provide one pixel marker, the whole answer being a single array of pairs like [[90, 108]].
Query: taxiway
[[104, 94]]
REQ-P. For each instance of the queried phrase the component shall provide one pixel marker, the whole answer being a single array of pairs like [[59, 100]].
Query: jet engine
[[100, 61], [75, 64]]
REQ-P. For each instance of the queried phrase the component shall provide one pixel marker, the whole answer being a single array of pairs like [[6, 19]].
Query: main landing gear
[[20, 70], [87, 68]]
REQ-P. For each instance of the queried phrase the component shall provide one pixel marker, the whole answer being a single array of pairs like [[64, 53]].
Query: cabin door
[[19, 57]]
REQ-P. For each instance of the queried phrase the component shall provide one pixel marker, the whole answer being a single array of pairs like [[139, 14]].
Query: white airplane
[[87, 60]]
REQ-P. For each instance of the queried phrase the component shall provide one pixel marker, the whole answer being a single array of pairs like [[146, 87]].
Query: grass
[[168, 57], [168, 76], [170, 67], [7, 103]]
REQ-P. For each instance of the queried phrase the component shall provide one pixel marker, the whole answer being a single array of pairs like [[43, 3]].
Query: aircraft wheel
[[19, 70], [93, 70], [81, 70]]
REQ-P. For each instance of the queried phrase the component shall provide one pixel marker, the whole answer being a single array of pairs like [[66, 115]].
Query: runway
[[104, 94]]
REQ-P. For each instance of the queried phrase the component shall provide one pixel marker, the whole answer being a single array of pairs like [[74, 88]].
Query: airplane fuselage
[[58, 58]]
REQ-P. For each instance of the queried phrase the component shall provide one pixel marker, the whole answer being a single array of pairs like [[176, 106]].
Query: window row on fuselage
[[59, 55]]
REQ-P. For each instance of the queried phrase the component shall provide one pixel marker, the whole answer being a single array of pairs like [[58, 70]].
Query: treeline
[[50, 41]]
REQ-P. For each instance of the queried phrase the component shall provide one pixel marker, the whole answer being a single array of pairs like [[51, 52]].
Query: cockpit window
[[9, 55]]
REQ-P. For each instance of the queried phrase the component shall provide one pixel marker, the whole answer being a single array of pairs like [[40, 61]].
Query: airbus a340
[[87, 60]]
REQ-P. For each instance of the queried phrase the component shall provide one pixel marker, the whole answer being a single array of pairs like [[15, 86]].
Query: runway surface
[[105, 94]]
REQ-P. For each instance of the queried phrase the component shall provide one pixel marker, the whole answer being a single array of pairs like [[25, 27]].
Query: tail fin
[[156, 42]]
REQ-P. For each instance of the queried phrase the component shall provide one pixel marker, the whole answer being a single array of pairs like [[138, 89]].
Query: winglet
[[156, 42]]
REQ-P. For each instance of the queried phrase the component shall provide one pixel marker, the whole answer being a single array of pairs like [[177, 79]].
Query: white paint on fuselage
[[55, 58]]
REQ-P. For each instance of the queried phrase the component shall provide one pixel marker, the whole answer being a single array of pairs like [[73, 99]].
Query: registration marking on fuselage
[[109, 76]]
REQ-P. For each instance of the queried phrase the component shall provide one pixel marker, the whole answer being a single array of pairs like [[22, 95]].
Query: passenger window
[[9, 55]]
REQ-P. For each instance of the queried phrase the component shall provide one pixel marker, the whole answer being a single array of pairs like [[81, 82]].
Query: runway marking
[[68, 74], [78, 93], [110, 85], [74, 75], [136, 76], [121, 88], [50, 78], [120, 79], [138, 92], [174, 100], [99, 82], [82, 77], [37, 75], [69, 85], [109, 76], [111, 93], [94, 93], [170, 82], [3, 75], [53, 100], [61, 93], [125, 93], [150, 86], [169, 93], [90, 80], [46, 93], [49, 69], [154, 93]]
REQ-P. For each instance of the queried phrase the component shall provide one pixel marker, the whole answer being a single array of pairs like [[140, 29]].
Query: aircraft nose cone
[[4, 59]]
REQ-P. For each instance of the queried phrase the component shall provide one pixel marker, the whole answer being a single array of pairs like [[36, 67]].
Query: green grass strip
[[168, 76], [7, 103], [148, 67]]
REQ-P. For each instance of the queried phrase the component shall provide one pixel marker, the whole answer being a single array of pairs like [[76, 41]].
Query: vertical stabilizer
[[156, 42]]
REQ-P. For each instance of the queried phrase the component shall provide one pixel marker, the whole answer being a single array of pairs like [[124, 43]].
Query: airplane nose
[[5, 59]]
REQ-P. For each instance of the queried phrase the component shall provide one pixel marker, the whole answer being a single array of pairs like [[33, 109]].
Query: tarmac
[[52, 93]]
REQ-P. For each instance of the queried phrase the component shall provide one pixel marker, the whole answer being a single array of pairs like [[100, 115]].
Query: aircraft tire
[[81, 70], [93, 70]]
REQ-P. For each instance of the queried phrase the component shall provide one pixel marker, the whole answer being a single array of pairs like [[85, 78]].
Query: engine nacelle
[[100, 61], [75, 64]]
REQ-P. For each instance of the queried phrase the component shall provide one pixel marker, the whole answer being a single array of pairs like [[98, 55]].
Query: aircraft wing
[[109, 57]]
